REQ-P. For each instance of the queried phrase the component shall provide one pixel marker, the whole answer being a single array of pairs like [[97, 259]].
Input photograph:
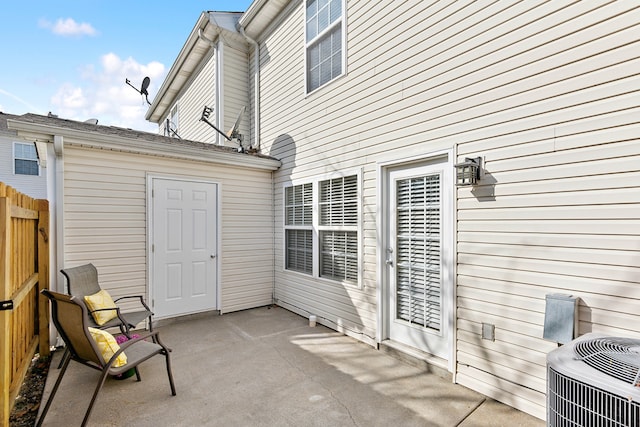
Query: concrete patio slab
[[267, 367]]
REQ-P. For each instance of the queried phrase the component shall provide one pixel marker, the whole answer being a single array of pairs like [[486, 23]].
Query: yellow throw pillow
[[108, 346], [100, 300]]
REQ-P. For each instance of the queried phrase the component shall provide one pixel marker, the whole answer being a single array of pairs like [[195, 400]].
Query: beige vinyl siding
[[201, 92], [336, 129], [547, 92], [198, 92], [236, 90], [105, 221], [558, 209]]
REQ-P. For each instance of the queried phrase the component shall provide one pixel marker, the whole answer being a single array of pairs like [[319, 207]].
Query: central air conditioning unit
[[594, 381]]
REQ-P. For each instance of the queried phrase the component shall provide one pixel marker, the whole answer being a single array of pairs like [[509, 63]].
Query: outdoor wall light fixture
[[468, 172]]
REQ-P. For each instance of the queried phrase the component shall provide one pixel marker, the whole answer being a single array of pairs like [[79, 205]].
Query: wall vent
[[594, 381]]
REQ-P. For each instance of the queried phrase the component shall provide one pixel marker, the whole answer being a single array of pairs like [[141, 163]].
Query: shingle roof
[[118, 132], [3, 121]]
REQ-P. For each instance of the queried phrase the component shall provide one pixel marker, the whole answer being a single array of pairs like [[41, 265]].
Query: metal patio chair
[[83, 281], [71, 319]]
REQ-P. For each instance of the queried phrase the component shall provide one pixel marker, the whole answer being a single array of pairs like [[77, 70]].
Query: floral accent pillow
[[99, 301], [108, 346]]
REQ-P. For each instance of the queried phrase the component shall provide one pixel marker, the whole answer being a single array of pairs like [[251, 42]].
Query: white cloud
[[103, 94], [69, 27]]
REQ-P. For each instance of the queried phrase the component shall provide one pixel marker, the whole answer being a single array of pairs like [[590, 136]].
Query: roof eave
[[261, 15], [45, 133], [170, 86], [188, 60]]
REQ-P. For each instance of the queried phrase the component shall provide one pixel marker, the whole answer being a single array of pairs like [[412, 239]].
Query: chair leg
[[169, 373], [153, 338], [103, 377], [137, 374], [65, 365], [166, 351]]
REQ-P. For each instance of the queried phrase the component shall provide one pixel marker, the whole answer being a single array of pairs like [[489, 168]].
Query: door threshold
[[163, 321], [418, 358]]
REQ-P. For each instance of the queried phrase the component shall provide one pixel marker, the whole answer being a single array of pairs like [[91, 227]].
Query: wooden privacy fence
[[24, 271]]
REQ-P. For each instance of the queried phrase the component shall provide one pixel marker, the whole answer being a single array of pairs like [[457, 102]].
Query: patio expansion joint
[[472, 410]]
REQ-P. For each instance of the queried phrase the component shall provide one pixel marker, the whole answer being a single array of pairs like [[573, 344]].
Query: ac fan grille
[[616, 357], [572, 403]]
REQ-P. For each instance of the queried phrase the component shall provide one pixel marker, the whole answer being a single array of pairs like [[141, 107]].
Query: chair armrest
[[118, 314], [140, 337], [116, 309], [140, 297], [105, 309], [156, 339], [127, 344]]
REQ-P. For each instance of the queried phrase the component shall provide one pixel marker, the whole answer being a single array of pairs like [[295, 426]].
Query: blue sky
[[71, 58]]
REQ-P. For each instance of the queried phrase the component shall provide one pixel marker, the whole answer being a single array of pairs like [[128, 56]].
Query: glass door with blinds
[[418, 258]]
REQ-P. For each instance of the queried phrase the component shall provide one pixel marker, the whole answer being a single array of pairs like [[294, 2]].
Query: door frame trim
[[150, 227], [382, 218]]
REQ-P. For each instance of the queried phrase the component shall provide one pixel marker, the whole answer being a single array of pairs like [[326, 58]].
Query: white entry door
[[184, 247], [419, 258]]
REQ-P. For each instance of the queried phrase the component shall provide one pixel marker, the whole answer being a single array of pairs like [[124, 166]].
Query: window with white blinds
[[334, 222], [338, 202], [298, 207], [418, 281], [324, 41]]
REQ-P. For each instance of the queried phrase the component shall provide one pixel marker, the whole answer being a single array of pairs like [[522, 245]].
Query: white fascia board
[[161, 104], [210, 25], [262, 14]]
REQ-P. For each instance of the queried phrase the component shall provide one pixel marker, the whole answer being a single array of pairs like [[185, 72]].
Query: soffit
[[209, 24], [260, 15]]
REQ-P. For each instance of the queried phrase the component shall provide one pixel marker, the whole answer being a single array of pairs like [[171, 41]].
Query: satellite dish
[[91, 121], [143, 89], [233, 132], [145, 84]]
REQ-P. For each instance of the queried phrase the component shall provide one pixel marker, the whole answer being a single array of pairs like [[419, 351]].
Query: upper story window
[[25, 159], [325, 41]]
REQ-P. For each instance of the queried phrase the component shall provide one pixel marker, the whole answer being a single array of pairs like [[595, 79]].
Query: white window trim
[[343, 20], [306, 227], [13, 159], [316, 228]]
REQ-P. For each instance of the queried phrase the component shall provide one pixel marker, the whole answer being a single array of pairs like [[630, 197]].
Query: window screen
[[324, 38], [338, 206], [298, 231], [25, 159]]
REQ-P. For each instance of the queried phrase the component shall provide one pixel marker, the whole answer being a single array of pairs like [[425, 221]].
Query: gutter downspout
[[256, 143], [58, 144], [217, 83], [256, 87], [58, 283]]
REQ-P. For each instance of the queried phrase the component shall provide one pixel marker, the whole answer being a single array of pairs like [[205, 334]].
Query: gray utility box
[[560, 318]]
